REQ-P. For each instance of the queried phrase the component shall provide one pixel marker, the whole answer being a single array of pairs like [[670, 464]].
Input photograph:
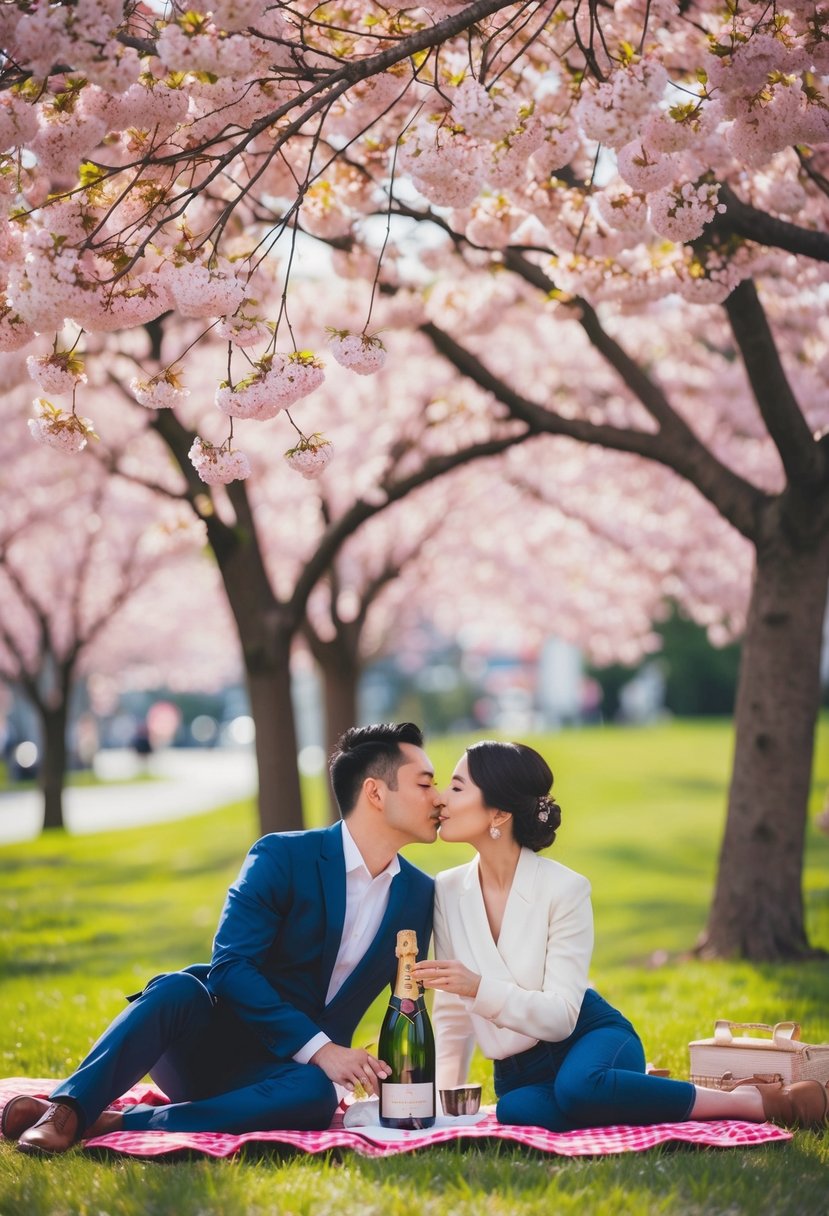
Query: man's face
[[413, 808]]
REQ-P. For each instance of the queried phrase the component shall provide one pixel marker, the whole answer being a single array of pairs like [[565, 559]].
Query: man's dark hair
[[369, 751]]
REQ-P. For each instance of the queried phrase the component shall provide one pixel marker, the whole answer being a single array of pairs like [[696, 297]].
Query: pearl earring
[[494, 832]]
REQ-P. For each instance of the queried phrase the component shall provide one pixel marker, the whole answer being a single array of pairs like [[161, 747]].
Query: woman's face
[[464, 818]]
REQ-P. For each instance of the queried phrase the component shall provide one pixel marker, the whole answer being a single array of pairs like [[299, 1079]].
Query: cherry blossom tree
[[275, 537], [771, 486], [96, 577], [581, 162], [573, 544]]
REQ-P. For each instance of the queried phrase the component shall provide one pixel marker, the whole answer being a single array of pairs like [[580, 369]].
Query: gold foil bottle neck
[[406, 943]]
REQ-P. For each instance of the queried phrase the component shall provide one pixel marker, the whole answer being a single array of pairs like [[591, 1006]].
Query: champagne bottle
[[407, 1044]]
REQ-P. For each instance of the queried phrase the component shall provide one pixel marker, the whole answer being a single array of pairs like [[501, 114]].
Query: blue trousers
[[217, 1075], [594, 1078]]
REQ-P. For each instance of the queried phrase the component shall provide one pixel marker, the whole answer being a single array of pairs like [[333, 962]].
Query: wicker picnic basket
[[728, 1057]]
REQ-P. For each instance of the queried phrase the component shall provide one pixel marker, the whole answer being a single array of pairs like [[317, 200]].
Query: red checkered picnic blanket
[[370, 1142]]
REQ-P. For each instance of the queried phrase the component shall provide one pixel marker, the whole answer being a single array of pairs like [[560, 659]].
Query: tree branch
[[333, 539], [179, 441], [640, 384], [802, 459], [737, 500], [541, 419], [82, 567], [31, 604], [746, 221], [224, 539]]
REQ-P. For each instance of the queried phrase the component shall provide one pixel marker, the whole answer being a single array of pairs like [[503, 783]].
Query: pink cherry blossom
[[681, 212], [60, 372], [243, 330], [218, 466], [65, 139], [644, 168], [324, 212], [310, 456], [201, 291], [252, 398], [18, 122], [236, 15], [361, 353], [57, 429], [622, 208], [14, 332], [295, 375], [159, 392]]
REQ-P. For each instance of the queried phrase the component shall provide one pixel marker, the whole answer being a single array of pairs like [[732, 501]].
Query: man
[[260, 1038]]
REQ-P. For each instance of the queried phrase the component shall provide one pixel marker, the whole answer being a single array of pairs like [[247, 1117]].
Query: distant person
[[141, 742], [260, 1038], [513, 941]]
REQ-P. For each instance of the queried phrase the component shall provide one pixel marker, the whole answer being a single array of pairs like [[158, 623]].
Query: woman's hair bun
[[515, 778]]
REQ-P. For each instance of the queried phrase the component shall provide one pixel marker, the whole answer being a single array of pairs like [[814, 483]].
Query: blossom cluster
[[80, 34], [310, 456], [135, 185], [55, 428], [61, 372], [275, 384], [361, 353], [218, 466], [160, 392]]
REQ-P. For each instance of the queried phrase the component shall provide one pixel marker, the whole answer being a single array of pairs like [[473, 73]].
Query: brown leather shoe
[[21, 1113], [55, 1131], [801, 1104], [109, 1120], [22, 1119]]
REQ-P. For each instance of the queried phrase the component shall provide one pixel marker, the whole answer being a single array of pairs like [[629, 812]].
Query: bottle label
[[407, 1101]]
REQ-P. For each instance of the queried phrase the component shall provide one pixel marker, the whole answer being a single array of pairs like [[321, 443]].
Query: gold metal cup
[[461, 1100]]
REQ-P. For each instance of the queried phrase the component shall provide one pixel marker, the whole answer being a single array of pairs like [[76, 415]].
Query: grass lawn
[[86, 919]]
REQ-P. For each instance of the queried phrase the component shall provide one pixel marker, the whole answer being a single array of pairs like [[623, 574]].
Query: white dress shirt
[[366, 900]]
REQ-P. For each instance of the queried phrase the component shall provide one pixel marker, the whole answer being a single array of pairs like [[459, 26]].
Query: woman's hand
[[447, 975]]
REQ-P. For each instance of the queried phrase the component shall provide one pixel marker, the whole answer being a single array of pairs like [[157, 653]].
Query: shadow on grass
[[801, 988]]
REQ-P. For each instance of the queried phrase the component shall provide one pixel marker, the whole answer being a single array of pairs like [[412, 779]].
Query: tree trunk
[[52, 769], [269, 689], [340, 669], [341, 675], [757, 911], [265, 627]]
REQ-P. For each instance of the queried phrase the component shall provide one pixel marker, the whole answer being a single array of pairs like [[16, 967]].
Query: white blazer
[[532, 981]]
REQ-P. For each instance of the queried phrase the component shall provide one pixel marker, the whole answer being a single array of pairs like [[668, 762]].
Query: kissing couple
[[260, 1038]]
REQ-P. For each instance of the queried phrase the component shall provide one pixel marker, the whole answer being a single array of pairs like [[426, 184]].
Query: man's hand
[[351, 1066]]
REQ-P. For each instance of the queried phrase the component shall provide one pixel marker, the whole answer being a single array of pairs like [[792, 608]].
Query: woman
[[513, 939]]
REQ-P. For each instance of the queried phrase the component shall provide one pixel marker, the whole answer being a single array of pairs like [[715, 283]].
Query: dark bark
[[802, 458], [757, 912], [269, 688], [340, 667], [52, 770], [341, 676], [746, 221]]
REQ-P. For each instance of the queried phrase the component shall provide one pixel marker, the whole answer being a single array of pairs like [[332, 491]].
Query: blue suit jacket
[[280, 931]]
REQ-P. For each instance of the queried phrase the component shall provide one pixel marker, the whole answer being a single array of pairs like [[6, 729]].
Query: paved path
[[189, 782]]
